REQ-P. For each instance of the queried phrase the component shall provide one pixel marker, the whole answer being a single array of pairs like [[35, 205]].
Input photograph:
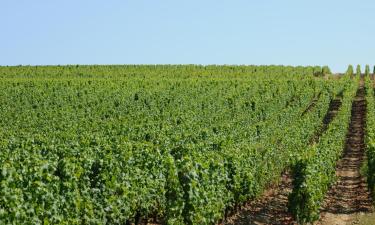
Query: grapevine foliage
[[114, 144]]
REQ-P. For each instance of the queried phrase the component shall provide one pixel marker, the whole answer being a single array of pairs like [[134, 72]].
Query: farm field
[[185, 144]]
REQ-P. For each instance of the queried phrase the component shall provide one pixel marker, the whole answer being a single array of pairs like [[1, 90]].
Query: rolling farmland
[[185, 144]]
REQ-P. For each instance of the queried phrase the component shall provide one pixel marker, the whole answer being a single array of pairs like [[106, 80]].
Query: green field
[[176, 144]]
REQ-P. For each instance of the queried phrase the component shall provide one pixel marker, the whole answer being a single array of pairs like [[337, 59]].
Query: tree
[[367, 70], [317, 71], [350, 70], [358, 71], [326, 70]]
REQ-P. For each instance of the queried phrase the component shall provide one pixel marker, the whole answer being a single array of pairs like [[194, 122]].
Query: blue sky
[[292, 32]]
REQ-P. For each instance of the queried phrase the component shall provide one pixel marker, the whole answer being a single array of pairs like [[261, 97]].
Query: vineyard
[[181, 144]]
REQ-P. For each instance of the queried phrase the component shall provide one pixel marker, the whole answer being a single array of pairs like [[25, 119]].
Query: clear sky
[[292, 32]]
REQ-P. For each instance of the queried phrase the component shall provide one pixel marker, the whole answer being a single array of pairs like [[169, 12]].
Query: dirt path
[[349, 197]]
